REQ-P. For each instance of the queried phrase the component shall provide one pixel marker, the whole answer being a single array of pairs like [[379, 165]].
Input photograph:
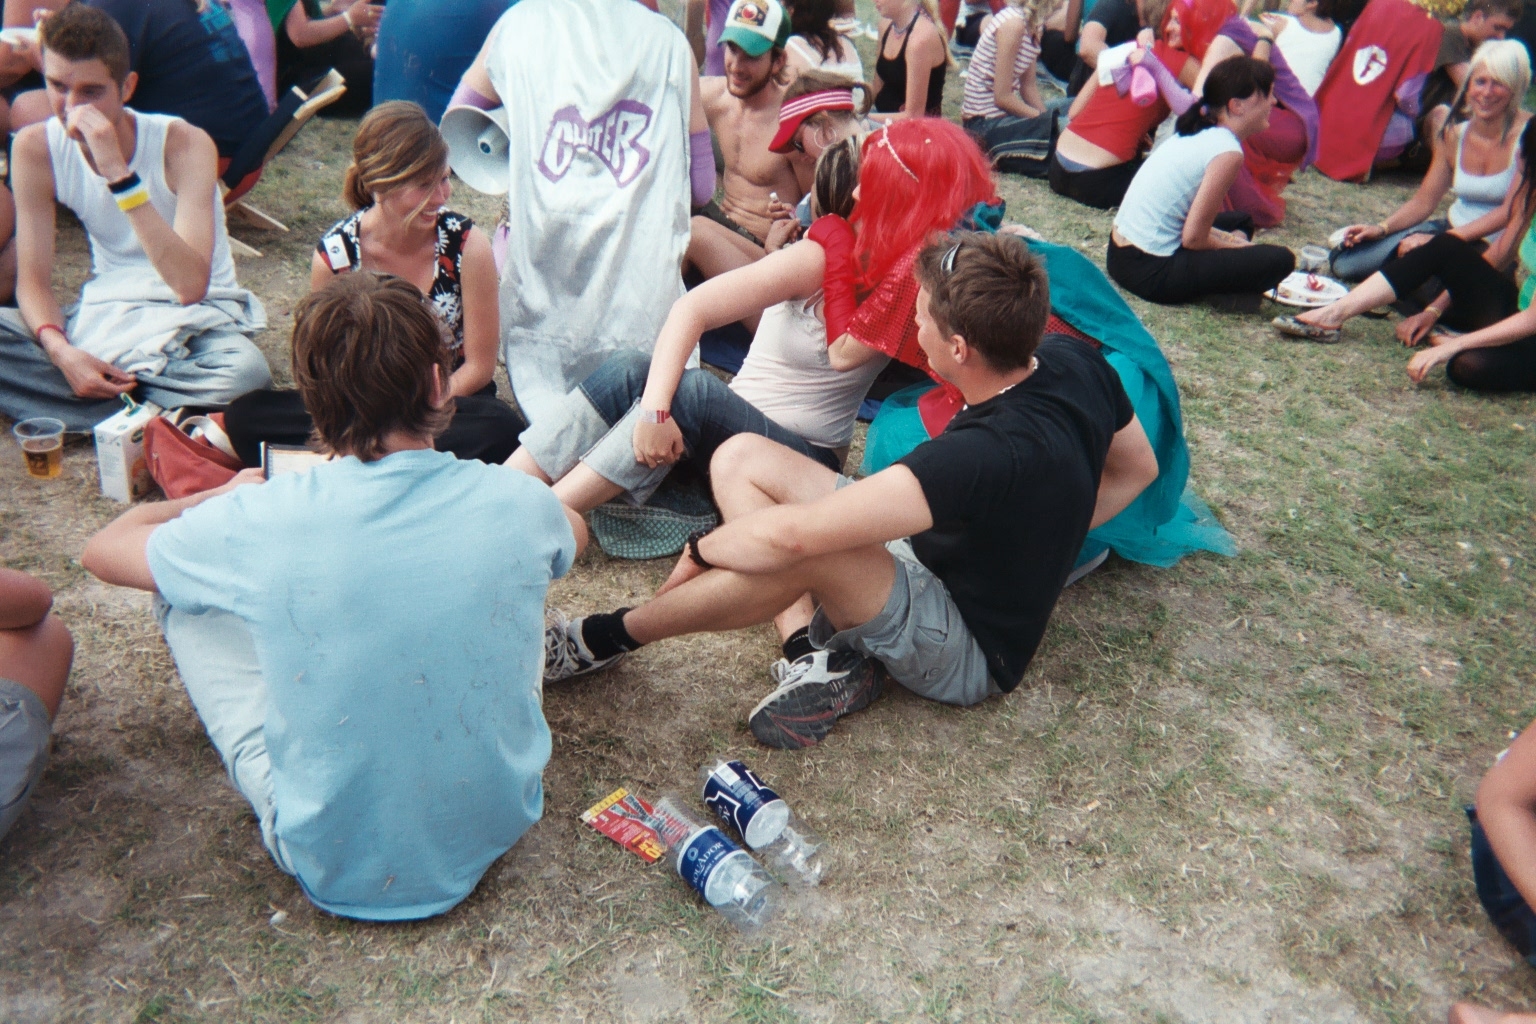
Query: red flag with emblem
[[1392, 41]]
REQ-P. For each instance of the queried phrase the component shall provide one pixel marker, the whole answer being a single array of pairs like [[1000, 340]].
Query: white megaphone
[[477, 147]]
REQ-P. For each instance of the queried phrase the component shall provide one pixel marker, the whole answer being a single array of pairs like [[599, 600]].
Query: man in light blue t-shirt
[[364, 640]]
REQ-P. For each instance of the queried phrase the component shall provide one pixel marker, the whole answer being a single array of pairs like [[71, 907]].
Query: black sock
[[799, 644], [606, 636]]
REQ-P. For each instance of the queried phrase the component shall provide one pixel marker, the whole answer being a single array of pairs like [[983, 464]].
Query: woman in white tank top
[[1308, 37], [1475, 150], [598, 445], [816, 46]]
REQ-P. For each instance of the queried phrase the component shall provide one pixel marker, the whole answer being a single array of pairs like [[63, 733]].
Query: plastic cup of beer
[[42, 442]]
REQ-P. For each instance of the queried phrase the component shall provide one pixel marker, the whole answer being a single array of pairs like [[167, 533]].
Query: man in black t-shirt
[[1109, 23], [944, 567]]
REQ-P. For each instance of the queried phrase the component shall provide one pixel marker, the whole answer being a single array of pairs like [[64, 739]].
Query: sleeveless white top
[[1477, 194], [789, 378], [1308, 53], [117, 258], [846, 64], [597, 97]]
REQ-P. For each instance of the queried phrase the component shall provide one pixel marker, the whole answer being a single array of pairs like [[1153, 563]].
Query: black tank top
[[893, 77]]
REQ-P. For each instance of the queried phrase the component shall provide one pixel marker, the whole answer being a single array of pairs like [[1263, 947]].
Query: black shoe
[[815, 690], [565, 656]]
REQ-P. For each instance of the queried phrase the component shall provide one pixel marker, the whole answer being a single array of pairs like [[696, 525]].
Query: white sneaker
[[565, 655]]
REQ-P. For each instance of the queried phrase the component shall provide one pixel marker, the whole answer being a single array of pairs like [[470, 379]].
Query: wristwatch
[[654, 415]]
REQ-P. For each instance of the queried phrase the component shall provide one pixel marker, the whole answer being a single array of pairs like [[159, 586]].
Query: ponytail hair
[[837, 177], [396, 144], [1235, 78]]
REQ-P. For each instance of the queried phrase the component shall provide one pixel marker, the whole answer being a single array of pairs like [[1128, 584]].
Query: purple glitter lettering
[[613, 137]]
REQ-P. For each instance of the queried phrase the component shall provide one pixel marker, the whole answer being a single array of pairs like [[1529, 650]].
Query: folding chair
[[295, 108]]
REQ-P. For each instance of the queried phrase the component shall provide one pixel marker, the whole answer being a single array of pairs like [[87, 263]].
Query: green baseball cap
[[756, 26]]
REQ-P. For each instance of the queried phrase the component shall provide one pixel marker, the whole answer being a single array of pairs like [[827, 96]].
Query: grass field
[[1227, 791]]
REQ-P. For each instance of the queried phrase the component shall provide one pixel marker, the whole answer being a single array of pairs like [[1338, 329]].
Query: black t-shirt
[[1119, 18], [1121, 23], [1012, 485], [191, 65]]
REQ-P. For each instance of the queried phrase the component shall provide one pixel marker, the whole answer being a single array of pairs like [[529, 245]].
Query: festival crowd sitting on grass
[[852, 242]]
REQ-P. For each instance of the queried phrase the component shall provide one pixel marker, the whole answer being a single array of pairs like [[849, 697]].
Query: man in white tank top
[[162, 315]]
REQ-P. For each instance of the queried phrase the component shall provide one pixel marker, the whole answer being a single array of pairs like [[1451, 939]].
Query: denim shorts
[[25, 731]]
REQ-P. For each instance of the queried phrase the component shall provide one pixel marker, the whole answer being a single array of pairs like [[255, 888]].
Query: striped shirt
[[979, 101]]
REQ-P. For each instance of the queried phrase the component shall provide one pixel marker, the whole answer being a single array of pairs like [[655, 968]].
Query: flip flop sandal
[[1289, 325]]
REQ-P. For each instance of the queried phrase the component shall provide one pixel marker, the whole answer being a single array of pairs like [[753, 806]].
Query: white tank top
[[1477, 194], [115, 249], [597, 97], [789, 378], [845, 63], [1308, 53]]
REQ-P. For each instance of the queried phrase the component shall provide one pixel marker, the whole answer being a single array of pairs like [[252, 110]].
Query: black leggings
[[1480, 297], [1191, 274], [1101, 189]]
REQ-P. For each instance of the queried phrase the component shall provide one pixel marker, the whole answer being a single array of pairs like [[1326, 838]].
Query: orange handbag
[[189, 454]]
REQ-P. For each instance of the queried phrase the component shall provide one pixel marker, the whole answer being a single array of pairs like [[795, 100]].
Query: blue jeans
[[1505, 906], [220, 367], [595, 424], [1361, 261]]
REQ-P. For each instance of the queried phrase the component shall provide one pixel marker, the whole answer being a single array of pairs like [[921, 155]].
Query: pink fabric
[[255, 30]]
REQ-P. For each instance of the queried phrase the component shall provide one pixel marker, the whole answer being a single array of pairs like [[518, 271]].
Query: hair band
[[885, 140], [947, 264]]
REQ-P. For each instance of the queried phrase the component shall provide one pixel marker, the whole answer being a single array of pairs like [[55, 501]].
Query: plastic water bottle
[[791, 852], [716, 868]]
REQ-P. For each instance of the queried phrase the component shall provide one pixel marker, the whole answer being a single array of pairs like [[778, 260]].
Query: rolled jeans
[[219, 367], [595, 424], [217, 661], [1359, 262]]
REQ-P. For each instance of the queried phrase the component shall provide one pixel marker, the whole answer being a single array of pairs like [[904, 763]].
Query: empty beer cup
[[42, 442]]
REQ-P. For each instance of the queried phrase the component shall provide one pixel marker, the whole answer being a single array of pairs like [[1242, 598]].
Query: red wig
[[1199, 23], [916, 177]]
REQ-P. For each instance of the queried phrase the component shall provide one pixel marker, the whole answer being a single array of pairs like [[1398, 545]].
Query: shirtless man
[[743, 112]]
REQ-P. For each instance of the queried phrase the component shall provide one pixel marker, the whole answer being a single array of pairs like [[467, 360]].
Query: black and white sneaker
[[565, 656], [815, 690]]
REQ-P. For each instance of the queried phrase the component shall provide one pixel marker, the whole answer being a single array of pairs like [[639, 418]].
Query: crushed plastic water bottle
[[791, 852], [716, 868]]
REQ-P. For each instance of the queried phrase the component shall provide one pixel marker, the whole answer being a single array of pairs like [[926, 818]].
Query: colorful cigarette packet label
[[621, 817]]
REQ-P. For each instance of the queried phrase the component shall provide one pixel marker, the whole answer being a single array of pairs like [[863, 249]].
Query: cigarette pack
[[623, 818], [120, 452]]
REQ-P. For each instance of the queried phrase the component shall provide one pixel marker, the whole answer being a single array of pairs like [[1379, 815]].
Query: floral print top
[[342, 250]]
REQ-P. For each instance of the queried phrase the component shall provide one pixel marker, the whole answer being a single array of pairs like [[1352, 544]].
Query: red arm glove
[[835, 237]]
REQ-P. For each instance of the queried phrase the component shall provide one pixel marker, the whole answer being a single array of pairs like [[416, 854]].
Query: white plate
[[1295, 290], [18, 35], [1337, 238]]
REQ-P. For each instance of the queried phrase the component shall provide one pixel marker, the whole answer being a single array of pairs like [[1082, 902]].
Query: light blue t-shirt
[[397, 611], [1155, 207]]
